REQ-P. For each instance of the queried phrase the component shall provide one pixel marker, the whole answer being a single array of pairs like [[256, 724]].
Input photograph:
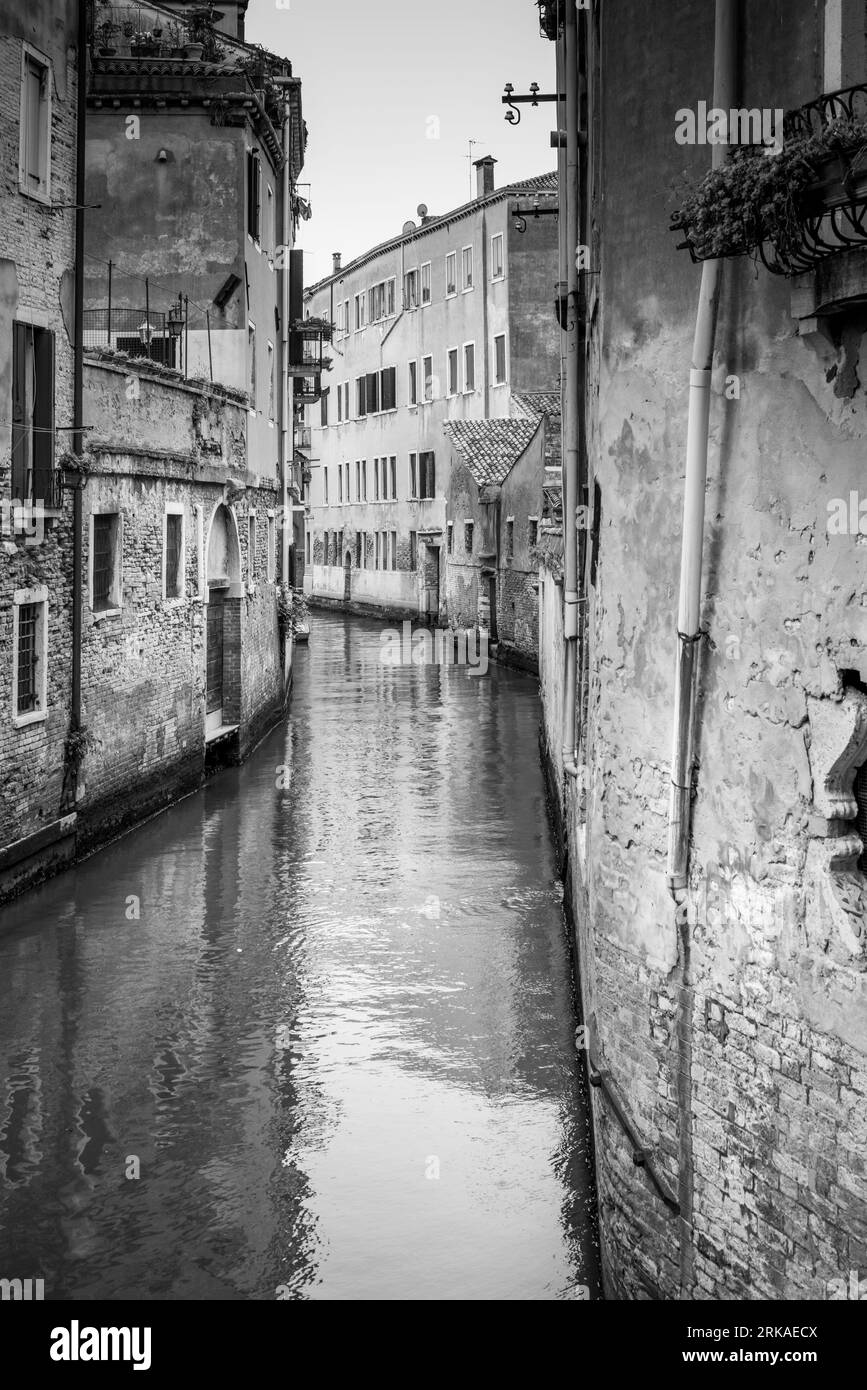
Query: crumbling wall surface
[[735, 1028]]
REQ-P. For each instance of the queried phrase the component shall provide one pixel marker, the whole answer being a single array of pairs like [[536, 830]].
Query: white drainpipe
[[689, 607]]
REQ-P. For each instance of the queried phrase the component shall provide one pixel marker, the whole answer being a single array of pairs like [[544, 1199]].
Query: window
[[272, 547], [359, 311], [358, 480], [497, 263], [340, 482], [413, 550], [533, 530], [392, 466], [510, 537], [426, 475], [410, 290], [338, 558], [340, 322], [34, 150], [413, 476], [105, 562], [32, 414], [269, 239], [29, 655], [271, 383], [376, 551], [425, 283], [388, 394], [251, 364], [467, 268], [361, 548], [376, 480], [346, 401], [173, 551], [254, 195], [427, 368], [452, 273], [361, 396], [453, 372], [468, 537], [364, 480], [384, 466], [500, 359], [412, 394], [339, 404], [251, 549], [380, 301], [323, 408], [346, 481], [307, 540], [325, 485], [372, 390], [450, 537], [469, 367], [394, 550]]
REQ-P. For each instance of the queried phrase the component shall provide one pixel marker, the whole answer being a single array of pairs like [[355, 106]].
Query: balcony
[[795, 209], [307, 339]]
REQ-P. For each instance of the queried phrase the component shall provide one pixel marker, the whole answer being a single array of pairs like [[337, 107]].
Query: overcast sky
[[376, 79]]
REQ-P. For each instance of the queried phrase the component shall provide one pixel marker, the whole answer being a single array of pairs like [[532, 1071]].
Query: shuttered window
[[32, 414], [35, 149]]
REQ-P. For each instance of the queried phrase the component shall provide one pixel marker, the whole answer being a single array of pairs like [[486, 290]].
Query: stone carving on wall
[[836, 887]]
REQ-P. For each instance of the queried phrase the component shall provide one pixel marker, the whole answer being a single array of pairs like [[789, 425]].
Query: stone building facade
[[38, 98], [730, 1023], [439, 325]]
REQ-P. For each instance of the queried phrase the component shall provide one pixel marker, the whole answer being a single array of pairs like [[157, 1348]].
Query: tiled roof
[[533, 404], [489, 448]]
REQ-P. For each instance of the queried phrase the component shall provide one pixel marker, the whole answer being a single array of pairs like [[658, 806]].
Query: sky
[[392, 91]]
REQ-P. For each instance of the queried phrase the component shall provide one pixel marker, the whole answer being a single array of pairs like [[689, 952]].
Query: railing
[[132, 331]]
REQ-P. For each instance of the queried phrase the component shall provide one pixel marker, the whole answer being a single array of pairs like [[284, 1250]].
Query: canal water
[[310, 1033]]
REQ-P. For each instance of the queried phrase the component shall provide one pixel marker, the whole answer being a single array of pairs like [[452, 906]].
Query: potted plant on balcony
[[774, 203], [105, 35]]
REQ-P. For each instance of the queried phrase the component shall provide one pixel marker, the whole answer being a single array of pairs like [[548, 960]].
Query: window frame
[[41, 193], [425, 266], [252, 547], [468, 390], [175, 509], [498, 237], [271, 555], [453, 352], [452, 256], [467, 287], [411, 275], [412, 383], [427, 380], [501, 381], [36, 596]]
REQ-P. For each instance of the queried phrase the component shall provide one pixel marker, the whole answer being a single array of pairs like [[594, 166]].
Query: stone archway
[[223, 625]]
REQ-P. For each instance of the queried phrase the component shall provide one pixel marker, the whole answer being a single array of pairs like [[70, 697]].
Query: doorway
[[215, 654], [430, 599], [347, 577]]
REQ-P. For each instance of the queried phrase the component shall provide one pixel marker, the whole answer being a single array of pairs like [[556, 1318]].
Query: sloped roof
[[533, 404], [539, 183], [489, 448]]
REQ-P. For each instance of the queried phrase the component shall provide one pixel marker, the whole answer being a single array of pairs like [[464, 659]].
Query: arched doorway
[[223, 626], [347, 576]]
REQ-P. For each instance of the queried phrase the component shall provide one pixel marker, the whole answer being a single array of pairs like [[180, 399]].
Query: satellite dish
[[408, 226], [422, 209]]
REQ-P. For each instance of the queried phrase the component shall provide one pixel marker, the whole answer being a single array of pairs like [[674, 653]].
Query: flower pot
[[179, 51], [106, 52], [195, 50]]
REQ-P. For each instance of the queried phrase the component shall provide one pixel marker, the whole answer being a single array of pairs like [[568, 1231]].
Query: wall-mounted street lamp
[[513, 115]]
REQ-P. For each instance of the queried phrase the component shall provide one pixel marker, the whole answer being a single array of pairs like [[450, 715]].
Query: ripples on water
[[339, 1038]]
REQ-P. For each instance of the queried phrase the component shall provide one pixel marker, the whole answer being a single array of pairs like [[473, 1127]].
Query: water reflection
[[335, 1044]]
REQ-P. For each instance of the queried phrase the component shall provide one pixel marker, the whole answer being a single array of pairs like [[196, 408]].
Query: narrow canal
[[332, 1056]]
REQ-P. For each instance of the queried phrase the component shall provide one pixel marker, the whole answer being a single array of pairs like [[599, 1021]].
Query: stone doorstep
[[224, 731], [42, 839]]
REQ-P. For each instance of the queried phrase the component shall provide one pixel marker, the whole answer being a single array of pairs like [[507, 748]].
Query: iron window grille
[[27, 694]]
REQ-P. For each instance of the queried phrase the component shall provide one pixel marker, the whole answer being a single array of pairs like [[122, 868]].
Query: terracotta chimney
[[336, 257], [484, 168]]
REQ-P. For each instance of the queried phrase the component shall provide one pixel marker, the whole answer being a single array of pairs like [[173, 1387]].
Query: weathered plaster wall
[[736, 1036]]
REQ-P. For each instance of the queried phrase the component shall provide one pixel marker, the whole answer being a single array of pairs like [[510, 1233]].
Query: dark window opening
[[27, 693], [104, 540], [174, 577]]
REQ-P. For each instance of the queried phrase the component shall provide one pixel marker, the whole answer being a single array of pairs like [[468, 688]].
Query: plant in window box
[[760, 198]]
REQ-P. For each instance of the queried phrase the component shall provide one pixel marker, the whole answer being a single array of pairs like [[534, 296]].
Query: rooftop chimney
[[336, 258], [484, 168]]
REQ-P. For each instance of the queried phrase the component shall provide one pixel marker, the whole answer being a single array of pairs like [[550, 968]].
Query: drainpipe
[[689, 608], [688, 637], [78, 373], [572, 402], [288, 517]]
